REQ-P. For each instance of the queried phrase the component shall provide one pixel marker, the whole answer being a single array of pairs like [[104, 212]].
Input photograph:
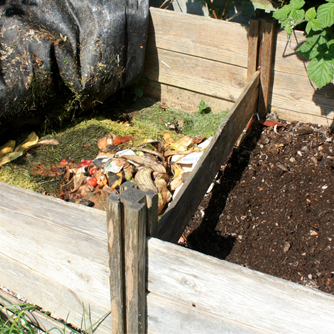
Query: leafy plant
[[202, 107], [319, 29]]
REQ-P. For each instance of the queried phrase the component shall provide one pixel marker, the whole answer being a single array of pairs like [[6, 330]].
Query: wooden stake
[[128, 216], [265, 60], [115, 248], [253, 39]]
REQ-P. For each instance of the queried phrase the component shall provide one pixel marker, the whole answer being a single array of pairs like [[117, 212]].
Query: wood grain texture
[[265, 61], [198, 36], [293, 116], [196, 74], [184, 99], [262, 301], [294, 92], [55, 254], [181, 209], [134, 235], [186, 288], [152, 213], [170, 316], [253, 43], [286, 58], [116, 262]]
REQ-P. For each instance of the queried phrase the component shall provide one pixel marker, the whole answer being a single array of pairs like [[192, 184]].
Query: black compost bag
[[57, 55]]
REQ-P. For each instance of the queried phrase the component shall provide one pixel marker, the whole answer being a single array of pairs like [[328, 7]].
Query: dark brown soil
[[272, 206]]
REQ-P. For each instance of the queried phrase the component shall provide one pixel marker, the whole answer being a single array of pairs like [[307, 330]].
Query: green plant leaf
[[297, 4], [320, 71], [282, 13], [297, 15], [325, 14], [310, 14]]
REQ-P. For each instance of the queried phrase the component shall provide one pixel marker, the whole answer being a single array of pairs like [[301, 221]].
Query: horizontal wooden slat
[[293, 116], [240, 294], [183, 99], [296, 93], [286, 59], [181, 209], [196, 74], [54, 254], [170, 316], [199, 36]]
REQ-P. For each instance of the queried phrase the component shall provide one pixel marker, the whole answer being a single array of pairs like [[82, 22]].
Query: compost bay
[[271, 208]]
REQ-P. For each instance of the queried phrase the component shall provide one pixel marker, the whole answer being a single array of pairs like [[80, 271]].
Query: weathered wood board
[[199, 36], [180, 211], [294, 98], [55, 254], [186, 65], [267, 303]]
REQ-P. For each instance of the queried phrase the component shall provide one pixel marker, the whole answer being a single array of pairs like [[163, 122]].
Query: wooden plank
[[286, 58], [296, 93], [235, 292], [181, 209], [198, 36], [196, 74], [266, 54], [38, 318], [116, 262], [253, 44], [55, 254], [293, 116], [184, 99], [170, 316], [152, 213]]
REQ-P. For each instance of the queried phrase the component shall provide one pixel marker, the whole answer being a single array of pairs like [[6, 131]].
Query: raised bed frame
[[62, 256]]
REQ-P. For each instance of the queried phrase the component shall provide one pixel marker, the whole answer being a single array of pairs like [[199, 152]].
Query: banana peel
[[164, 195]]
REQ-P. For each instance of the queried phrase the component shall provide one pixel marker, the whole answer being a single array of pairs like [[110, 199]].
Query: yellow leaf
[[31, 140]]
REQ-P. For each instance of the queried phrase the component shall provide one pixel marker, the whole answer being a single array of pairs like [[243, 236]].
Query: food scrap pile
[[160, 165]]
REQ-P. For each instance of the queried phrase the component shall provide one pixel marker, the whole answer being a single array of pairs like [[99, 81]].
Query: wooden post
[[253, 45], [115, 248], [129, 216], [265, 63]]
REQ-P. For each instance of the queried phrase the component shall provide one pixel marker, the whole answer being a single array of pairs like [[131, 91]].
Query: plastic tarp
[[56, 55]]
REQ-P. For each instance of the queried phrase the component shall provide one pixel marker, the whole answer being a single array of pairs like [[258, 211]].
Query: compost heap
[[161, 166], [59, 55]]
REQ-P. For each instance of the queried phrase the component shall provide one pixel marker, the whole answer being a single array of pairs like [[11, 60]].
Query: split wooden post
[[128, 216], [253, 45], [265, 63], [260, 57]]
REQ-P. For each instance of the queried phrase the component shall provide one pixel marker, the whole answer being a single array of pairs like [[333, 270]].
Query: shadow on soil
[[205, 236]]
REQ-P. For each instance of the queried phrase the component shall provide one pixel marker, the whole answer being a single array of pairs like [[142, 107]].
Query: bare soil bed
[[272, 206]]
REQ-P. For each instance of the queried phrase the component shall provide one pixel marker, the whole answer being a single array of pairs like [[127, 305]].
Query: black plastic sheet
[[57, 55]]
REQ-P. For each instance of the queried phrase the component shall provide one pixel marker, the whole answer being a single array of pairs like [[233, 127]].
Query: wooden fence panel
[[55, 254], [199, 36], [267, 303], [186, 65]]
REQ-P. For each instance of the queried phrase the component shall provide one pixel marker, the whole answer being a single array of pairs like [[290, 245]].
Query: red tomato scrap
[[63, 162], [93, 170], [85, 163], [92, 181]]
